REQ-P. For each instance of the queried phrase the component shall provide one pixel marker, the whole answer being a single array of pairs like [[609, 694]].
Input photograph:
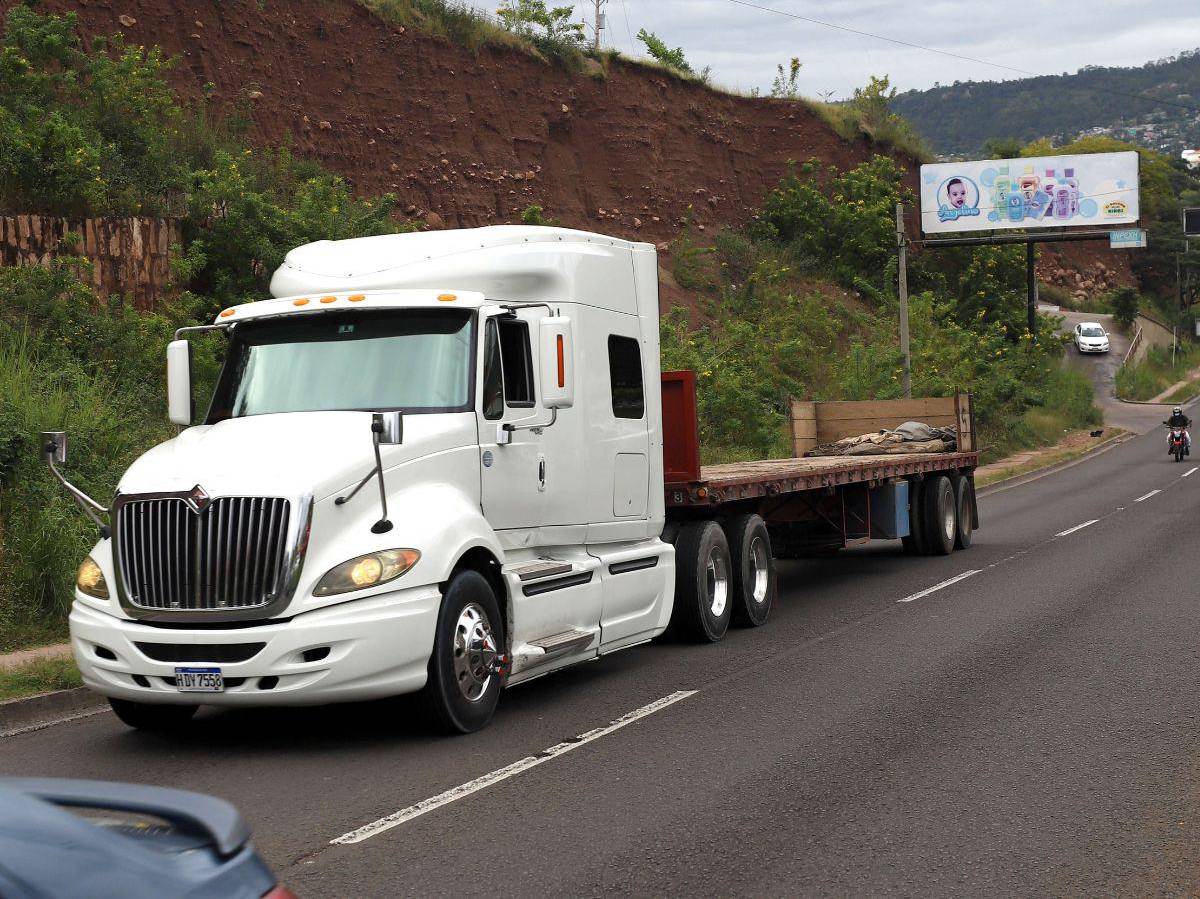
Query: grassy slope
[[1154, 374]]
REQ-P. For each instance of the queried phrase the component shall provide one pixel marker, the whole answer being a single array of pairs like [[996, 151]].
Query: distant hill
[[956, 119]]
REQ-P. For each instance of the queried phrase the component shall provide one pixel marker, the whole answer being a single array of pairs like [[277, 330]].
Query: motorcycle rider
[[1179, 420]]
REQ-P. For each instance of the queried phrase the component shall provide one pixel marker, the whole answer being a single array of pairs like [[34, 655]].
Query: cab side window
[[493, 377], [625, 374], [517, 363]]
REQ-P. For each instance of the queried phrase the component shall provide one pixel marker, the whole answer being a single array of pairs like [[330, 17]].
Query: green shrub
[[69, 362], [840, 223], [1124, 302], [84, 132], [248, 210]]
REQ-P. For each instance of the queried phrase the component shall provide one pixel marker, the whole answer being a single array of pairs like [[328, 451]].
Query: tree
[[521, 17], [1002, 148], [1125, 307], [657, 48], [785, 86]]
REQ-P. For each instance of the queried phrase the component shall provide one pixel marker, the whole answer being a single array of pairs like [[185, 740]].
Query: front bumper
[[379, 646], [1092, 349]]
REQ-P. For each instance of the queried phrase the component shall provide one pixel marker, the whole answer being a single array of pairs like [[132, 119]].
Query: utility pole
[[598, 22], [1031, 290], [902, 250]]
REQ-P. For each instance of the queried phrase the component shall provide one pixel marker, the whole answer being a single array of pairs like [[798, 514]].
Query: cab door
[[513, 475]]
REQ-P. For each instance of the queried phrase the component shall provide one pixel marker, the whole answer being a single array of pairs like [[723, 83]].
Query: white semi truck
[[435, 462]]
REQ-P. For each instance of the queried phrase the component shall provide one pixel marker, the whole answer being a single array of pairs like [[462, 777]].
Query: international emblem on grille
[[198, 499]]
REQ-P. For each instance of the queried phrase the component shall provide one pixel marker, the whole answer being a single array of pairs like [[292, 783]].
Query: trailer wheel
[[703, 583], [464, 686], [753, 566], [941, 522], [914, 543], [964, 506]]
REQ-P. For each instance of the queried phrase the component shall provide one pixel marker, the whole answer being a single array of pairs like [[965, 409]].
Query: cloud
[[743, 45]]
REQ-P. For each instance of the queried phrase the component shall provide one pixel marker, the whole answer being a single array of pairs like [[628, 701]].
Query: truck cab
[[432, 462]]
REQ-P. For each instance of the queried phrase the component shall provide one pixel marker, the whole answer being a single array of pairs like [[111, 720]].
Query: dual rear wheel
[[941, 515], [723, 573]]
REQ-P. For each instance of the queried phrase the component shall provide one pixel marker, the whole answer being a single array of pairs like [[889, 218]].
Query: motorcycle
[[1177, 443]]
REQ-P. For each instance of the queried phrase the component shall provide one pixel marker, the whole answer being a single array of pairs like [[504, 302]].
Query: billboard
[[1094, 189]]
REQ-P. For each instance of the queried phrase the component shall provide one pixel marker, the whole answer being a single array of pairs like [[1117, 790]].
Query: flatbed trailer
[[769, 509]]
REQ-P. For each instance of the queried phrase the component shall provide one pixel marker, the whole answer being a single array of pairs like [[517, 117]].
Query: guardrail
[[1133, 345]]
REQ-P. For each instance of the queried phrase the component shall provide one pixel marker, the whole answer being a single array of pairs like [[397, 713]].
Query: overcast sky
[[743, 45]]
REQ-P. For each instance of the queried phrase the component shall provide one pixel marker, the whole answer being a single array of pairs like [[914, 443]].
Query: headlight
[[370, 570], [90, 579]]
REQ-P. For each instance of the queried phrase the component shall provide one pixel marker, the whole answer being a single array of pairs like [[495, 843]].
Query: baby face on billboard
[[957, 192]]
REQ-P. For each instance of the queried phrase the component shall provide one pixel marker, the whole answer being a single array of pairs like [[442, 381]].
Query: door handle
[[541, 472]]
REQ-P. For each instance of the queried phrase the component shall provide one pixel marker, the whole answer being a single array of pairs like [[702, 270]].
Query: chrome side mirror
[[387, 429], [389, 426], [54, 452], [54, 446]]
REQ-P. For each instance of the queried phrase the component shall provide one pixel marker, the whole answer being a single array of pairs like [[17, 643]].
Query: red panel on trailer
[[681, 430]]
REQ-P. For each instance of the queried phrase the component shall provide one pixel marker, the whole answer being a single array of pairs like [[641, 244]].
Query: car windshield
[[411, 360], [1092, 332]]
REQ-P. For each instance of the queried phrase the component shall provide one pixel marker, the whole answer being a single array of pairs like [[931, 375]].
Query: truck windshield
[[411, 360]]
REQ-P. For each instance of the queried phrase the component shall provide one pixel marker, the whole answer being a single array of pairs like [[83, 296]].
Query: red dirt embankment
[[475, 138], [471, 138]]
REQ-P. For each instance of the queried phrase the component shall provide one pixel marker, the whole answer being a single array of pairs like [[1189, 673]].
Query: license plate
[[199, 680]]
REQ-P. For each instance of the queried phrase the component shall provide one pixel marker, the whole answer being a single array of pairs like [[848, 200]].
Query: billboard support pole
[[902, 250], [1031, 289]]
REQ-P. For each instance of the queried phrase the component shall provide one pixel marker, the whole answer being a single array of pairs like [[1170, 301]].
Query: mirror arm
[[383, 525], [90, 507], [538, 428]]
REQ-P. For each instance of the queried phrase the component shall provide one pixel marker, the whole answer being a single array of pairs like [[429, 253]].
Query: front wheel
[[464, 684], [152, 716], [1179, 454]]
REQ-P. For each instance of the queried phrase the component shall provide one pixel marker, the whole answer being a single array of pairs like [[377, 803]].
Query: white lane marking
[[936, 587], [1148, 495], [1078, 527], [481, 783], [1190, 471]]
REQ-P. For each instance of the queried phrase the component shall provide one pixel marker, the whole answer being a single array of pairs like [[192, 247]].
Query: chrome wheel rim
[[948, 517], [474, 652], [762, 571], [717, 582]]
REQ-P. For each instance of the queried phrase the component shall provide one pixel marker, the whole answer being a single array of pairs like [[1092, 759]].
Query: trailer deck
[[774, 477]]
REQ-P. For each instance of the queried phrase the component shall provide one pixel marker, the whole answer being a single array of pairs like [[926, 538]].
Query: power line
[[948, 53], [628, 30]]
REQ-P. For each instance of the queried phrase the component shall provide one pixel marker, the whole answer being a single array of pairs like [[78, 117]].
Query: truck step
[[565, 641], [541, 568]]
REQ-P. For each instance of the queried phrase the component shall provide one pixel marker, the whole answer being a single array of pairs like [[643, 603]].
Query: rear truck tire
[[914, 543], [964, 506], [152, 716], [703, 583], [468, 644], [753, 567], [941, 522]]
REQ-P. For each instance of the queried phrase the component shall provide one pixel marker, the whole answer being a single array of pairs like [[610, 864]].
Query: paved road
[[1031, 728], [1102, 369]]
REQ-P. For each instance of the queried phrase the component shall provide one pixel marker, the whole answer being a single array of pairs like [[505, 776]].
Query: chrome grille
[[230, 555]]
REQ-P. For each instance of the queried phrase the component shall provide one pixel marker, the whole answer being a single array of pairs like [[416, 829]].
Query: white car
[[1091, 338]]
